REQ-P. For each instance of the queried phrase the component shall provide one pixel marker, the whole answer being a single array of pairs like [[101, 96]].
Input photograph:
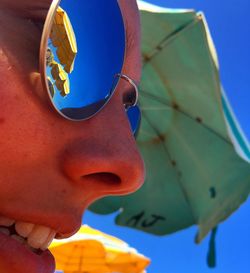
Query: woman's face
[[51, 169]]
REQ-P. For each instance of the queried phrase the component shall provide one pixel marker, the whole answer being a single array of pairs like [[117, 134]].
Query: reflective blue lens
[[134, 116], [85, 51]]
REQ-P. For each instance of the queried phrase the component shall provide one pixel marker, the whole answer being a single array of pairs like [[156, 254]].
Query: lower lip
[[16, 257]]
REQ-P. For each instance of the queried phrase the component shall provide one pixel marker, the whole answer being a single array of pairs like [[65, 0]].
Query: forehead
[[38, 9], [24, 13]]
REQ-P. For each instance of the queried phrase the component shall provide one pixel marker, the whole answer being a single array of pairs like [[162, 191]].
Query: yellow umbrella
[[63, 38], [60, 77], [92, 251]]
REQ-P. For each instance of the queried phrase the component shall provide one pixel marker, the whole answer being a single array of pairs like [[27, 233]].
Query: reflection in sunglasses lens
[[85, 49]]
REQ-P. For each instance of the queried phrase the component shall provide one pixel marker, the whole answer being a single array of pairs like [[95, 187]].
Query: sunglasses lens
[[134, 116], [84, 50]]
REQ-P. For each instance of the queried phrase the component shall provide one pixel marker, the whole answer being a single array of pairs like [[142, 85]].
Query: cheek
[[25, 132]]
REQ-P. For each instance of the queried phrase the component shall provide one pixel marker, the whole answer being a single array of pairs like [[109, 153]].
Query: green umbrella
[[196, 157]]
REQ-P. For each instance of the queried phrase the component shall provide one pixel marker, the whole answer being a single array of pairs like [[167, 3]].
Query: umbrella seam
[[186, 114], [178, 178], [168, 39]]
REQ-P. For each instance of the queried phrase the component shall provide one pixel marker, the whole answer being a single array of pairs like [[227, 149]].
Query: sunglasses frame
[[42, 59]]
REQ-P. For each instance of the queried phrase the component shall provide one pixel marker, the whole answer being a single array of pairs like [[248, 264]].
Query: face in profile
[[52, 168]]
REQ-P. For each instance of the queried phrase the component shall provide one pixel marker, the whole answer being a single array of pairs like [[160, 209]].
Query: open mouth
[[23, 247], [36, 237]]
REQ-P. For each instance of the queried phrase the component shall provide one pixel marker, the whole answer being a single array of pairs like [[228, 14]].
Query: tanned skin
[[51, 169]]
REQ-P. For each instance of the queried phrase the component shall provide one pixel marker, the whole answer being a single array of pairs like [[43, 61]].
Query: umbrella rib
[[170, 159], [168, 39], [167, 103]]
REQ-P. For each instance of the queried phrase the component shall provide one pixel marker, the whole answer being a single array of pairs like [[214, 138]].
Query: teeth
[[49, 240], [31, 248], [39, 236], [4, 231], [7, 222], [18, 238], [24, 229]]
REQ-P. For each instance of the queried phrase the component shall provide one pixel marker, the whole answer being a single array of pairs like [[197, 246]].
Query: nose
[[104, 159]]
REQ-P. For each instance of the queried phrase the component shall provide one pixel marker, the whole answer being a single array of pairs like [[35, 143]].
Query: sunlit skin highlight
[[52, 168]]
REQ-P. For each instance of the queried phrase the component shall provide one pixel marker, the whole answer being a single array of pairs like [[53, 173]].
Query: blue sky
[[229, 24]]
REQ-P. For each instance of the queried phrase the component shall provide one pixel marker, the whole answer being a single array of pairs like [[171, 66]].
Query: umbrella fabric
[[61, 78], [194, 152], [63, 38], [92, 251]]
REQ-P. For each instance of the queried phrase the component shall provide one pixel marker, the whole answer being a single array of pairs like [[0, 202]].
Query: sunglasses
[[82, 54]]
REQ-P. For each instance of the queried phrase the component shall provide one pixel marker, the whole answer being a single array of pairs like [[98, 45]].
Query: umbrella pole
[[211, 256]]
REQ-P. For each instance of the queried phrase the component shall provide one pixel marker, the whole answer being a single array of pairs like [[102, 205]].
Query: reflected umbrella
[[63, 43], [63, 38]]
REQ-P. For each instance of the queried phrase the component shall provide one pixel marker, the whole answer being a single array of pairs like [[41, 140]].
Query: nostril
[[103, 178]]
